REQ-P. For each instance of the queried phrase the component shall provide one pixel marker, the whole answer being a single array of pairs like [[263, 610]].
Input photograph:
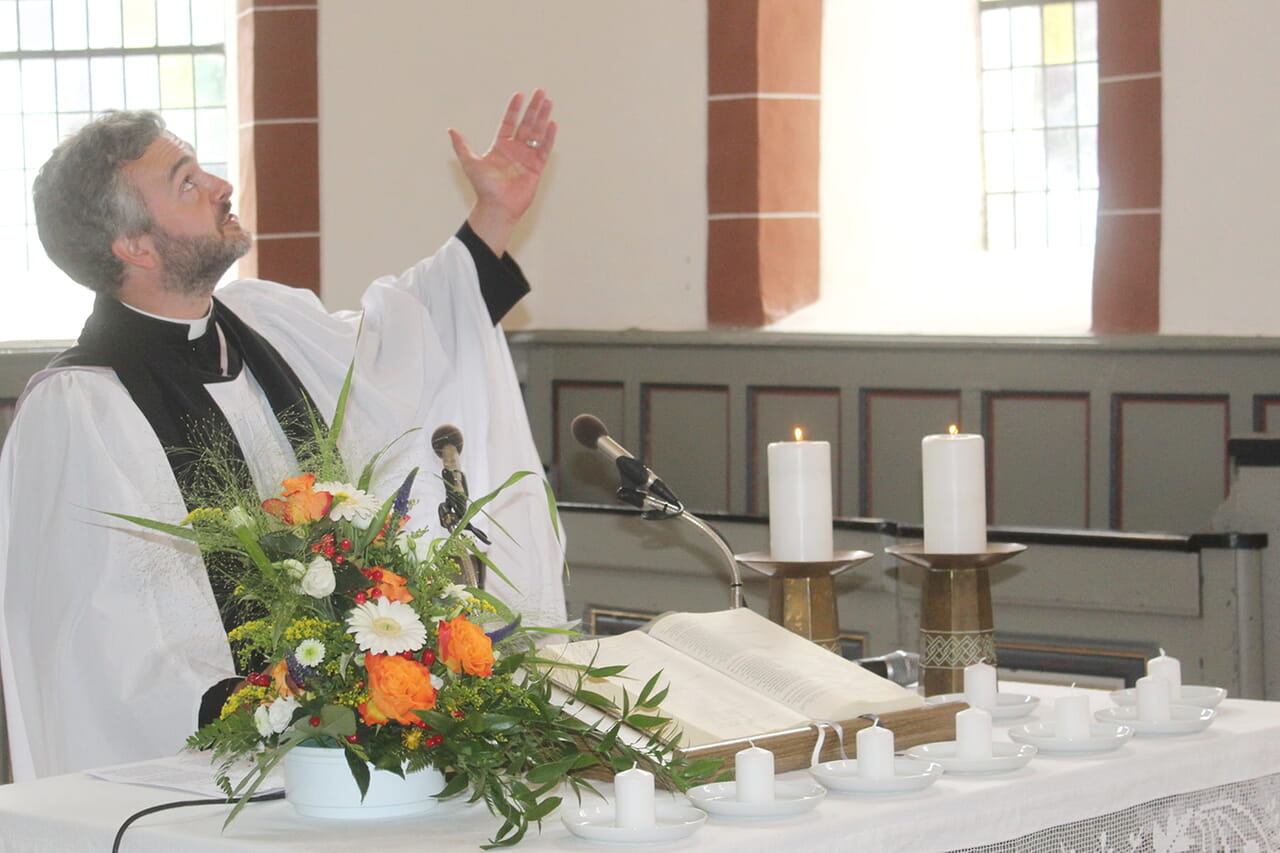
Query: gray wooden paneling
[[686, 441], [774, 415], [581, 474], [893, 423], [1038, 459], [1170, 469]]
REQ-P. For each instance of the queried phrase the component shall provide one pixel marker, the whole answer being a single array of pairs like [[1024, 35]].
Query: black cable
[[257, 798]]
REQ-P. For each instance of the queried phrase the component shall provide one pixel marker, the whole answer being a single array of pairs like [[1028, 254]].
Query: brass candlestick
[[956, 628], [802, 596]]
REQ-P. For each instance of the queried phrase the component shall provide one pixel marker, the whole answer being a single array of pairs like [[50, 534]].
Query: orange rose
[[397, 688], [393, 587], [300, 502], [464, 646]]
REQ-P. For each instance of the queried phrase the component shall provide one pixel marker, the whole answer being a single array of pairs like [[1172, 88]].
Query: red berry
[[315, 549], [375, 592], [407, 655], [339, 559], [457, 714], [352, 738], [259, 679], [377, 575], [345, 544], [428, 657], [434, 740], [360, 684], [315, 721], [361, 598]]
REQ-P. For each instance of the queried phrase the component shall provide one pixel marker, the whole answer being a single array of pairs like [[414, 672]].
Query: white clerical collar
[[196, 328]]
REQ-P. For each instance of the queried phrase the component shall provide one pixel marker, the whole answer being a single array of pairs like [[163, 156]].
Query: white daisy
[[319, 581], [386, 627], [309, 652], [350, 504]]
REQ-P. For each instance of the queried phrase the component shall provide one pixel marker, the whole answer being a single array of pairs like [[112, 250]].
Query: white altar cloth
[[1240, 751]]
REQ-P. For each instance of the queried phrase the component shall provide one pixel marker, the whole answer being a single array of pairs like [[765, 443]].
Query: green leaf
[[359, 771], [542, 809], [172, 529]]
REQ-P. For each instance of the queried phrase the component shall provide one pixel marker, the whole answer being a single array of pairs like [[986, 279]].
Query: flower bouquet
[[358, 636]]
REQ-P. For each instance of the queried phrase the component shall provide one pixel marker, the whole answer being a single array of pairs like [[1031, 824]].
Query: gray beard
[[193, 266]]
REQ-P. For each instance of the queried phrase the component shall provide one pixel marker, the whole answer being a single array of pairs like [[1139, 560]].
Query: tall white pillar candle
[[955, 494], [753, 775], [800, 500], [875, 753], [980, 685], [1153, 699], [973, 734], [1170, 669], [1071, 718], [633, 799]]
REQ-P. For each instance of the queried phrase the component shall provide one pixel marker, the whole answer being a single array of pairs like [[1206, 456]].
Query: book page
[[782, 665], [708, 707]]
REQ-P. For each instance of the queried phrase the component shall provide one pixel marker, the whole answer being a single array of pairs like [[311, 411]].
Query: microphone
[[638, 481]]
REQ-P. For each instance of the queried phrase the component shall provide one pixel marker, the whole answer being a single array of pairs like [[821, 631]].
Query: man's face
[[196, 236]]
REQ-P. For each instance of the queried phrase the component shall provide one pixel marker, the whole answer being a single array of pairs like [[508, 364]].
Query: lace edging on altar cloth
[[1243, 817]]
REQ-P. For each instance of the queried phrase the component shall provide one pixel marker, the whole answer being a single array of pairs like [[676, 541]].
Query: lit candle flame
[[799, 433], [953, 429]]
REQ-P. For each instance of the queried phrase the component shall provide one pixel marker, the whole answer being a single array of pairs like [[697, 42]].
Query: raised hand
[[505, 178]]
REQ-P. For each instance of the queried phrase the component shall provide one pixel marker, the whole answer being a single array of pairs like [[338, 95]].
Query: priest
[[111, 634]]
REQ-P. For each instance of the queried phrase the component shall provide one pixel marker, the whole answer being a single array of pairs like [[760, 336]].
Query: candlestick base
[[802, 595], [956, 628]]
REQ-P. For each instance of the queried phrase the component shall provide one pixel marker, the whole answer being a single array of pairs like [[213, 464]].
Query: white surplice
[[109, 633]]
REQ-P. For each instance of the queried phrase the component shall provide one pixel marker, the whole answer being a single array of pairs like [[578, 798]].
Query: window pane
[[8, 25], [1024, 25], [182, 124], [70, 25], [1088, 217], [13, 207], [37, 85], [997, 100], [104, 24], [1029, 212], [995, 38], [10, 86], [139, 23], [1060, 95], [106, 75], [1059, 34], [1087, 87], [1088, 137], [1000, 221], [141, 82], [39, 135], [1028, 159], [1064, 220], [1063, 162], [1028, 97], [211, 76], [1086, 30], [173, 22], [73, 85], [208, 21], [211, 136], [35, 25], [11, 142], [177, 83], [998, 155]]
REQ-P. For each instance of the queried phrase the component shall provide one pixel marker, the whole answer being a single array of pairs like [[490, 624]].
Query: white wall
[[617, 237], [1220, 257]]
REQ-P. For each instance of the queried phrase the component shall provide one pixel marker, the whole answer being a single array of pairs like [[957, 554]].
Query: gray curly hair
[[83, 201]]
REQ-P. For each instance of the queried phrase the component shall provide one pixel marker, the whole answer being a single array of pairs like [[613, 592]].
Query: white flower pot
[[318, 783]]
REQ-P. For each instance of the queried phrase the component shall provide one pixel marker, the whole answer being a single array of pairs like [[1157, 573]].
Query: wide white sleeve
[[109, 633]]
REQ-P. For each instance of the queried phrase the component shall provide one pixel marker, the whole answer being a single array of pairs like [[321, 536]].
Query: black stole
[[166, 374]]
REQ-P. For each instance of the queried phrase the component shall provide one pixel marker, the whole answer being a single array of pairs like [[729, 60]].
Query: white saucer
[[908, 775], [1009, 706], [595, 823], [1192, 694], [1184, 719], [789, 798], [1004, 757], [1103, 737]]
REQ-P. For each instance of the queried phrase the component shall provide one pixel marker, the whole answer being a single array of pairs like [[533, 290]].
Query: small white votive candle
[[1071, 716], [1170, 669], [980, 685], [633, 799], [1153, 699], [753, 775], [875, 753], [973, 734]]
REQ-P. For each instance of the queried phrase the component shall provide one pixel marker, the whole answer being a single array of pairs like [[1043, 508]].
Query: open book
[[732, 674]]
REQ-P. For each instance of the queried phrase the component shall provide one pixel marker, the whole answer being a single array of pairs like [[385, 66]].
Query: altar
[[1215, 790]]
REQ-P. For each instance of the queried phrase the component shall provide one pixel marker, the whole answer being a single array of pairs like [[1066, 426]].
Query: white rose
[[293, 569], [436, 681], [262, 719], [318, 582], [280, 713]]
